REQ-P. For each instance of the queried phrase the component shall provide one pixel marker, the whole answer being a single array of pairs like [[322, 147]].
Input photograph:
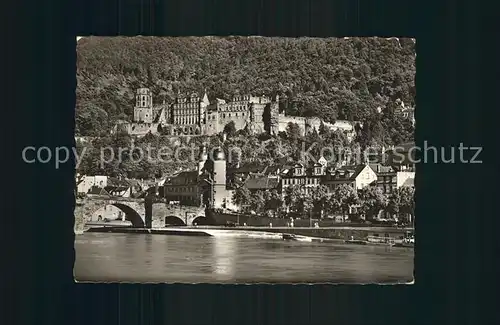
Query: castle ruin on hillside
[[196, 115]]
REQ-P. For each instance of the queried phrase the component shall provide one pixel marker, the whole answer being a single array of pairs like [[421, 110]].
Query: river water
[[112, 257]]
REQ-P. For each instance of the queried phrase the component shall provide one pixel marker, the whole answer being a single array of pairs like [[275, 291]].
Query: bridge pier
[[148, 210]]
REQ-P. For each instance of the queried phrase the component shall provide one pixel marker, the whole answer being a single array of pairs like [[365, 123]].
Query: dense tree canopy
[[329, 78]]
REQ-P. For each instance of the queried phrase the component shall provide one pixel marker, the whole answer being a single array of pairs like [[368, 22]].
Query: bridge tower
[[219, 178], [202, 160]]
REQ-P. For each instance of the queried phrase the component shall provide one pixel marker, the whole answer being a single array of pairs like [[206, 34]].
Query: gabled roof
[[261, 183], [94, 190], [307, 172], [110, 189], [251, 167], [382, 168], [273, 169], [190, 176], [113, 181], [354, 171], [409, 182]]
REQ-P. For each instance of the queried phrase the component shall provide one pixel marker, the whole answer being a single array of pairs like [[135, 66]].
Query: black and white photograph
[[245, 159]]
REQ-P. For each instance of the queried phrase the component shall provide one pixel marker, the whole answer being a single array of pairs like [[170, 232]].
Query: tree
[[242, 198], [323, 130], [342, 199], [408, 202], [293, 131], [320, 197], [273, 202], [394, 202], [230, 129], [372, 201], [258, 202], [402, 203], [297, 201], [292, 196]]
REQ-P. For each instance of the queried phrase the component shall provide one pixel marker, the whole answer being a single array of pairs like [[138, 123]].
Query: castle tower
[[202, 160], [219, 178], [274, 116], [143, 110], [202, 110]]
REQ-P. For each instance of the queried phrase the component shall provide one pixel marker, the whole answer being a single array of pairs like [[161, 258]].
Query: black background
[[456, 246]]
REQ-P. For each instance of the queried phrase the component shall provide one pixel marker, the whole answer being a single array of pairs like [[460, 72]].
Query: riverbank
[[208, 232], [332, 234], [337, 233]]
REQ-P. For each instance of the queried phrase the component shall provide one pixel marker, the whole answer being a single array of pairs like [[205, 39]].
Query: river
[[161, 258]]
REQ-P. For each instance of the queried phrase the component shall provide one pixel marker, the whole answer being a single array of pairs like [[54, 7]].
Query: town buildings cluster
[[212, 176], [213, 183]]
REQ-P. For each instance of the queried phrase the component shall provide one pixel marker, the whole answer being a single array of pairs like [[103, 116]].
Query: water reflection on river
[[160, 258]]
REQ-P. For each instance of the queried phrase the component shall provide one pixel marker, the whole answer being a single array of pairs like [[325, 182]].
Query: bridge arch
[[201, 221], [130, 214], [174, 221], [133, 211]]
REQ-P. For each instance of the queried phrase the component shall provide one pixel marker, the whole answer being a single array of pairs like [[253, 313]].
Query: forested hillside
[[329, 78]]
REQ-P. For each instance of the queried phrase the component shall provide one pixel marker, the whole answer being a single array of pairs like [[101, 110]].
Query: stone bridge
[[135, 211]]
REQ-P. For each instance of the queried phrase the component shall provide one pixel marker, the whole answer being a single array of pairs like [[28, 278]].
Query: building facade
[[389, 178], [85, 183], [196, 115], [306, 178], [357, 177], [205, 186]]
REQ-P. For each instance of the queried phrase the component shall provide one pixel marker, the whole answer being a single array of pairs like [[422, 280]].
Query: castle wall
[[308, 124], [142, 128], [143, 114], [191, 129], [284, 120], [240, 119]]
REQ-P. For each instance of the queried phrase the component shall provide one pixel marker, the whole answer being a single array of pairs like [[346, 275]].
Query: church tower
[[143, 110]]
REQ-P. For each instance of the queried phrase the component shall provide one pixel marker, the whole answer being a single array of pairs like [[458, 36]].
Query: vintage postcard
[[245, 160]]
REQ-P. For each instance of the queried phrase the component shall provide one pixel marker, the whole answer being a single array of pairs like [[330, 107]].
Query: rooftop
[[261, 183]]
